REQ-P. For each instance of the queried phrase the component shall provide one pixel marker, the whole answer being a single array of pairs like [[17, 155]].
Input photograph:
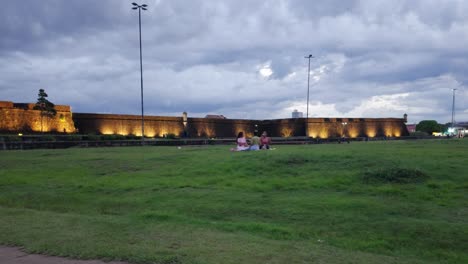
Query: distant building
[[297, 114], [215, 116], [411, 127], [462, 124]]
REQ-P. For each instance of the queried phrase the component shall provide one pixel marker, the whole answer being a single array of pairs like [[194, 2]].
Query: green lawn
[[330, 203]]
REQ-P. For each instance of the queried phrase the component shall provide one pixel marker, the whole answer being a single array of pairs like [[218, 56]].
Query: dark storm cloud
[[27, 25], [243, 59]]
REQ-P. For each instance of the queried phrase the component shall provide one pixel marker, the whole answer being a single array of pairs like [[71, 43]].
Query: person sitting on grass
[[265, 141], [255, 142], [241, 143]]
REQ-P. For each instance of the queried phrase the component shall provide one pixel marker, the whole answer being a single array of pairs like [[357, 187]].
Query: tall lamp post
[[140, 7], [344, 129], [453, 108], [308, 83]]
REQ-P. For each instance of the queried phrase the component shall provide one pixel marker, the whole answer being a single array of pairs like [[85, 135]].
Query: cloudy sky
[[240, 58]]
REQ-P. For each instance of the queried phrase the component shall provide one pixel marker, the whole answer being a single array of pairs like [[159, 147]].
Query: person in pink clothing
[[265, 141], [242, 144]]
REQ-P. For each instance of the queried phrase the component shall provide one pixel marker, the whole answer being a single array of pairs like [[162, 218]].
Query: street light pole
[[344, 129], [308, 83], [140, 7], [453, 108]]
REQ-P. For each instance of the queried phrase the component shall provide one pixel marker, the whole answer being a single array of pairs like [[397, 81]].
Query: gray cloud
[[243, 59]]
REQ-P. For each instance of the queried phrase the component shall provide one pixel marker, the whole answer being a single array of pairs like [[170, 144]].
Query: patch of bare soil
[[13, 255]]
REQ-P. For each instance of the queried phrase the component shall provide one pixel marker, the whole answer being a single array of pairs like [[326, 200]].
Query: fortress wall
[[158, 126], [155, 126], [21, 118], [208, 128], [24, 119], [6, 104], [356, 127], [205, 127], [291, 127]]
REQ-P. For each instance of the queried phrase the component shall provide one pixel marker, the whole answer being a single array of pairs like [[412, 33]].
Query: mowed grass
[[295, 204]]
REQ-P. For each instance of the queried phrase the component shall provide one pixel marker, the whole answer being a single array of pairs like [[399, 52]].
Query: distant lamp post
[[43, 107], [453, 108], [185, 123], [308, 84], [140, 7], [344, 129]]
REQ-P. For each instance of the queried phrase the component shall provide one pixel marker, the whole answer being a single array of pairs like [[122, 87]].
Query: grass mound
[[395, 175]]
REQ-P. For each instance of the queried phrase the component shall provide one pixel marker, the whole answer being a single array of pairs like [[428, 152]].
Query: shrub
[[170, 136], [113, 137], [395, 175], [419, 134], [12, 138], [73, 138], [107, 137], [46, 138], [92, 137], [132, 137]]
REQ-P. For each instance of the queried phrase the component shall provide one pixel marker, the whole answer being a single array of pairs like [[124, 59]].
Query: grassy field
[[374, 202]]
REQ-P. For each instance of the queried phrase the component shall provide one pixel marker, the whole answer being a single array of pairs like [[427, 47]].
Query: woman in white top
[[241, 142]]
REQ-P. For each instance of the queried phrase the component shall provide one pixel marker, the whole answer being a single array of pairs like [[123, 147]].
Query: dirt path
[[11, 255]]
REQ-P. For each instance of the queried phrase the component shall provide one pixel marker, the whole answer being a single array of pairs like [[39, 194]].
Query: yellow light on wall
[[388, 130], [323, 134], [106, 131], [371, 131], [286, 132], [353, 132]]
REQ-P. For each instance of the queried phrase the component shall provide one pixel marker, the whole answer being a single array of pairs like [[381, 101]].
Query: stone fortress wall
[[159, 126], [21, 118]]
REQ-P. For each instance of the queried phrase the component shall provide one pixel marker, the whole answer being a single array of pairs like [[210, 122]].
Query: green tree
[[46, 107], [429, 126]]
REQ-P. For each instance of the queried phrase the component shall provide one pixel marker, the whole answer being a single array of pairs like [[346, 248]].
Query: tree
[[429, 126], [46, 107]]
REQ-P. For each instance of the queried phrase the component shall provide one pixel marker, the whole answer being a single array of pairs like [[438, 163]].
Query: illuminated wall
[[291, 127], [155, 126], [356, 127], [210, 128], [158, 126], [205, 127], [22, 118]]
